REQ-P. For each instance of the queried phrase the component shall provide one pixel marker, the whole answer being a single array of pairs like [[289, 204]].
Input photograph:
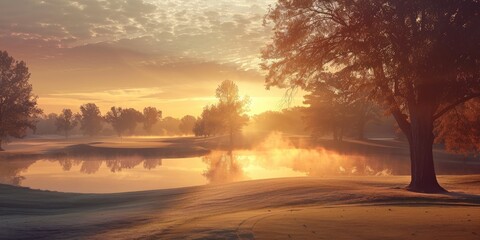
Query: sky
[[170, 54]]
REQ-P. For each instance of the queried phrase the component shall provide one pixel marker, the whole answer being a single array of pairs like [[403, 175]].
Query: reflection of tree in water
[[10, 171], [92, 165], [152, 163], [321, 162], [222, 167], [340, 165]]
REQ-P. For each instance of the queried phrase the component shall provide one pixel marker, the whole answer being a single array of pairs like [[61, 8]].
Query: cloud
[[206, 30], [86, 50]]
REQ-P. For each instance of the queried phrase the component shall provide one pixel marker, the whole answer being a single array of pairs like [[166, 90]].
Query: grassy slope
[[338, 208]]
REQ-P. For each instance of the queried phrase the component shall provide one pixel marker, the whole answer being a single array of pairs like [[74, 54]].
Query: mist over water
[[274, 157]]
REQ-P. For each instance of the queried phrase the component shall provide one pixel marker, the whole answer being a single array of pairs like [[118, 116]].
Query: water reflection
[[222, 167], [10, 171], [133, 173], [92, 165]]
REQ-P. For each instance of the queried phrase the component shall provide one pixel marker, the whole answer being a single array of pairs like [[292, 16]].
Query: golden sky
[[170, 54]]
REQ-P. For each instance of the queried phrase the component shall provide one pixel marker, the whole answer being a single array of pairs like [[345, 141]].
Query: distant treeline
[[118, 121], [135, 123]]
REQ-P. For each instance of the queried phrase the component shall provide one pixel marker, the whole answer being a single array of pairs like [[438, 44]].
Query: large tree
[[18, 106], [420, 59]]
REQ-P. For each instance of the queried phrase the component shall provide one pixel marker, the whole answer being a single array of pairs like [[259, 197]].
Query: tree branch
[[453, 105], [394, 107]]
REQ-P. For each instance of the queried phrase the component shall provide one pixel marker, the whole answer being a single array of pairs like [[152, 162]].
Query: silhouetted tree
[[199, 128], [420, 59], [123, 119], [150, 116], [114, 118], [365, 111], [232, 108], [289, 120], [336, 106], [131, 117], [210, 123], [90, 119], [187, 124], [45, 124], [66, 121], [170, 126], [330, 110], [18, 106]]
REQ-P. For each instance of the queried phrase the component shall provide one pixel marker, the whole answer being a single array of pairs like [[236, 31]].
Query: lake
[[137, 173]]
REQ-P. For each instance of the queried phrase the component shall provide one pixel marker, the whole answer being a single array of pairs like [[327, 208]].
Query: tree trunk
[[423, 177], [1, 149], [231, 137]]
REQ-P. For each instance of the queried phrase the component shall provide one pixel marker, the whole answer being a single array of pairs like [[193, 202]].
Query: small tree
[[114, 118], [330, 110], [123, 119], [232, 107], [18, 106], [210, 123], [187, 124], [66, 121], [170, 126], [90, 119], [45, 124], [227, 116], [150, 116], [131, 117], [199, 128], [338, 107]]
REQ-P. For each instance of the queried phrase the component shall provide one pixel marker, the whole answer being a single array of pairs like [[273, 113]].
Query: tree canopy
[[418, 58], [66, 121], [123, 119], [90, 119], [150, 116], [227, 116], [187, 123], [18, 105]]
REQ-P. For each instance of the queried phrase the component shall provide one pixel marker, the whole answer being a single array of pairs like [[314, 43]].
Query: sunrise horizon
[[240, 119]]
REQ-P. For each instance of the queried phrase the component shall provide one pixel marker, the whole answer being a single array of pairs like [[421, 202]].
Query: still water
[[135, 173]]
